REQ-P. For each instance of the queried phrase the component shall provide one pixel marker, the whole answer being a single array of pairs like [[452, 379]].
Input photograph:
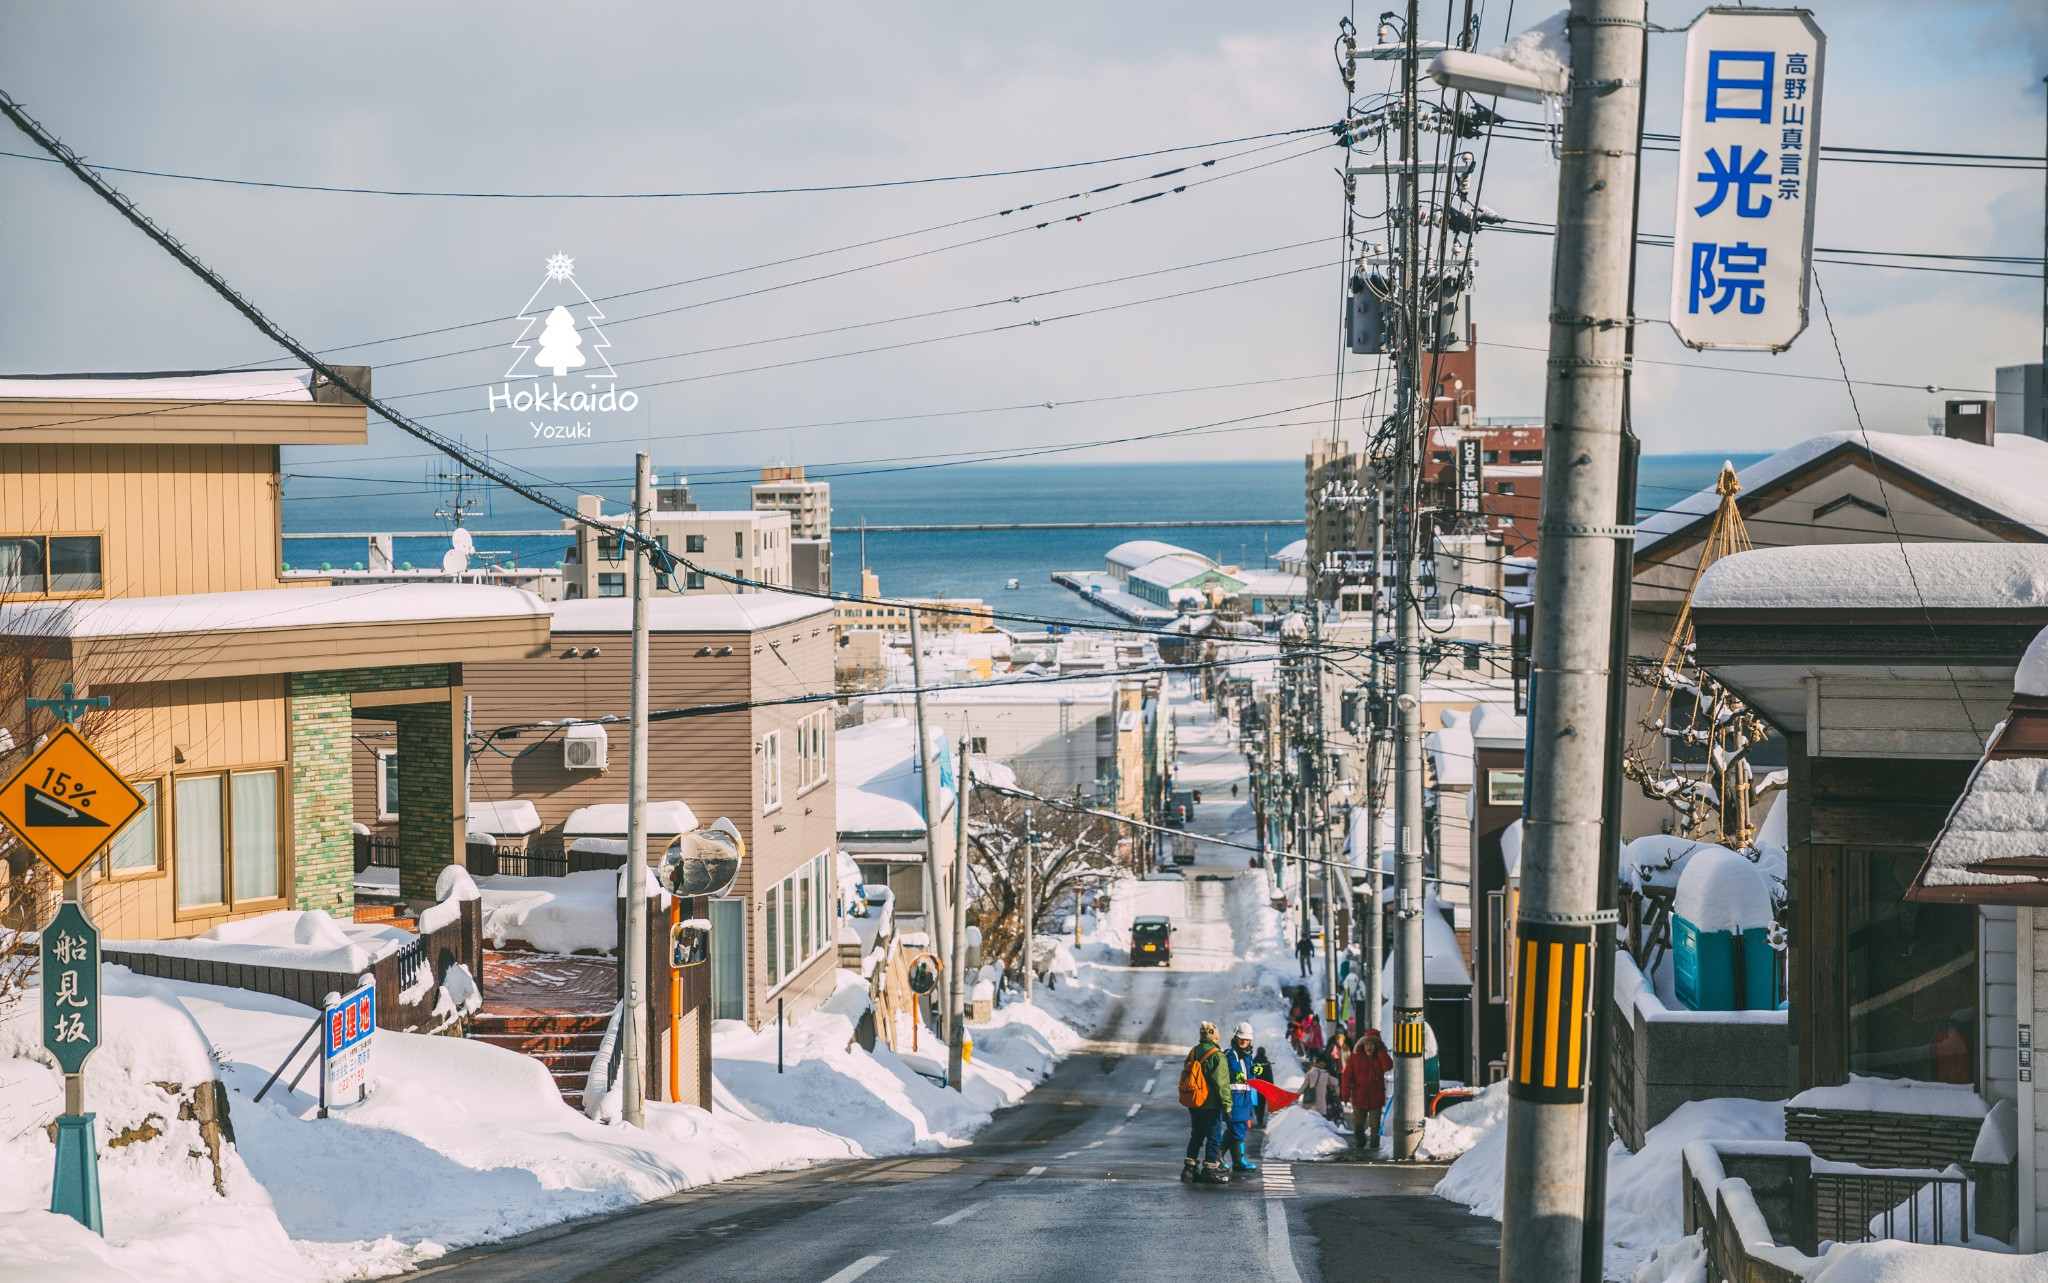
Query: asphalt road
[[1078, 1182]]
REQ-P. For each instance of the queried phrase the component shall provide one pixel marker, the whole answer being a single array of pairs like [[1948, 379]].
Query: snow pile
[[1462, 1126], [1645, 1208], [609, 819], [2032, 677], [1682, 1262], [1895, 1096], [1657, 860], [1722, 891], [304, 941], [576, 913], [1880, 576], [1896, 1262], [1544, 48], [1295, 1133]]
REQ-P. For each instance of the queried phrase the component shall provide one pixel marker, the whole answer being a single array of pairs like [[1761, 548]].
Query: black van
[[1151, 941]]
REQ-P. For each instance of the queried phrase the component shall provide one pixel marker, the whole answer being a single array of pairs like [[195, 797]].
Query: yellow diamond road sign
[[66, 802]]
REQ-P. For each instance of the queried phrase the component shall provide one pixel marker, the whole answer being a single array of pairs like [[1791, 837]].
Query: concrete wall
[[1675, 1057]]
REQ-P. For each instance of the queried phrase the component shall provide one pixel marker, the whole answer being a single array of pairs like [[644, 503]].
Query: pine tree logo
[[560, 346]]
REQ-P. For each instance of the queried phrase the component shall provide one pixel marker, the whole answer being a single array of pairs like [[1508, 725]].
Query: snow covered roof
[[1273, 583], [608, 819], [2032, 678], [1511, 849], [1137, 552], [504, 819], [233, 385], [1443, 962], [1879, 576], [1993, 848], [1498, 726], [1450, 750], [1296, 551], [265, 608], [2009, 478], [1174, 570], [878, 789], [707, 613]]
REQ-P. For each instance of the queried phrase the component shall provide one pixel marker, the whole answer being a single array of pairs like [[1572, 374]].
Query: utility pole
[[956, 959], [1375, 767], [934, 912], [1025, 904], [634, 954], [1572, 657], [1409, 1037]]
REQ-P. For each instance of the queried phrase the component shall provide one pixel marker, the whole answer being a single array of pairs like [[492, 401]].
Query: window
[[805, 927], [693, 543], [1497, 946], [226, 839], [774, 935], [387, 785], [790, 957], [612, 548], [572, 591], [1525, 456], [800, 918], [695, 581], [728, 959], [739, 543], [134, 848], [1504, 487], [611, 585], [1911, 976], [826, 928], [771, 771], [812, 733], [49, 565], [1503, 788]]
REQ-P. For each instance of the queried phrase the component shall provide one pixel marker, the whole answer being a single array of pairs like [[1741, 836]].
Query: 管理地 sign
[[346, 1036], [1748, 145], [561, 378]]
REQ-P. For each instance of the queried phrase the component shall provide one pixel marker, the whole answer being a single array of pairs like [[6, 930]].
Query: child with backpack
[[1205, 1092]]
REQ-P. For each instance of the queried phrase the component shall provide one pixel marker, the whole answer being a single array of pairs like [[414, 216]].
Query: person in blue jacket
[[1241, 1063]]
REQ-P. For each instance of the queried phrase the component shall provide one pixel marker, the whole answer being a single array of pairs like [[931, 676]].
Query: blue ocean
[[976, 563]]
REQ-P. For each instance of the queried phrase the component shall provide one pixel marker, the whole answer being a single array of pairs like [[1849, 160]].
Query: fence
[[397, 972], [546, 856], [1851, 1206]]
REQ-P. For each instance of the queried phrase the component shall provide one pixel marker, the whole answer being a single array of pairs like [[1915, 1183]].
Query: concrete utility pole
[[934, 908], [956, 959], [1375, 777], [634, 954], [1409, 535], [1572, 660], [1024, 905]]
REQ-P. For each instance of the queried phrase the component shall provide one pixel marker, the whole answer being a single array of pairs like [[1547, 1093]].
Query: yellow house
[[140, 550]]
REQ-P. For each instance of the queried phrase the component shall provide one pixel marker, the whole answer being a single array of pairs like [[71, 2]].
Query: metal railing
[[1918, 1207], [376, 851]]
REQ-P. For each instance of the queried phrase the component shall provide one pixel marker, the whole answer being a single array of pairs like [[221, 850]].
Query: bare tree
[[1071, 851]]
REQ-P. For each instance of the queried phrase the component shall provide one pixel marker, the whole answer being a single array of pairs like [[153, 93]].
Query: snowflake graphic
[[561, 267]]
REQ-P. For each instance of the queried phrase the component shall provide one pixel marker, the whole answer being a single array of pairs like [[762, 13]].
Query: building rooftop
[[233, 385], [706, 613], [1879, 576], [1137, 552], [269, 608]]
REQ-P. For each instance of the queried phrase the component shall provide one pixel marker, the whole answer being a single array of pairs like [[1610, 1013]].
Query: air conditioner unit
[[584, 748]]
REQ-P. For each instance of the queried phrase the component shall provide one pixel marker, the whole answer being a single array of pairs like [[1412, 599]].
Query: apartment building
[[749, 545]]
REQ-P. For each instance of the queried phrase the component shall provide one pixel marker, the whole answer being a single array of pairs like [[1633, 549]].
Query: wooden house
[[140, 552]]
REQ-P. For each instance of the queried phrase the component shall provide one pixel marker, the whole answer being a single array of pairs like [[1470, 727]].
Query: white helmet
[[1243, 1031]]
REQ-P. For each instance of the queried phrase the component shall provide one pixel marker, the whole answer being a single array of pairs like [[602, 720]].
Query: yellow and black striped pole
[[1555, 983]]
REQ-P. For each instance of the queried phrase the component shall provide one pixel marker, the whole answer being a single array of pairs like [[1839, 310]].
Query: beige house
[[768, 768], [140, 559], [748, 545]]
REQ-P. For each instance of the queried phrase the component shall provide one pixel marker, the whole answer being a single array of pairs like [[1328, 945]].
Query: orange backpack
[[1194, 1079]]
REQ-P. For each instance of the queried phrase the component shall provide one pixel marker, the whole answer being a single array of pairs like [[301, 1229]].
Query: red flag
[[1275, 1098]]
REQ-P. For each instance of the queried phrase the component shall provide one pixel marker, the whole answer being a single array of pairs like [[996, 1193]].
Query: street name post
[[65, 803]]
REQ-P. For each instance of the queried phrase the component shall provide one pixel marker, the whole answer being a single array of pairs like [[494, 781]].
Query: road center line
[[1036, 1171], [1279, 1248], [1070, 1153], [855, 1270], [1132, 1112], [958, 1216], [1150, 1083], [1114, 1130], [1093, 1144], [1158, 1065]]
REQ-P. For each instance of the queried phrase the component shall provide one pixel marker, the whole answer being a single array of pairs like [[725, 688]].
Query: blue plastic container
[[1723, 970]]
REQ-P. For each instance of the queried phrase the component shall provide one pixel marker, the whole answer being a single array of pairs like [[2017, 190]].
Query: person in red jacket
[[1364, 1088]]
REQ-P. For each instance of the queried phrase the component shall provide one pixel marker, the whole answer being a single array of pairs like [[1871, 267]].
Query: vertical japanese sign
[[1471, 477], [71, 987], [345, 1041], [1747, 151]]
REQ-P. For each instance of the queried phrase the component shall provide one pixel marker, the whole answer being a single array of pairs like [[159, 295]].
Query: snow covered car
[[1151, 942]]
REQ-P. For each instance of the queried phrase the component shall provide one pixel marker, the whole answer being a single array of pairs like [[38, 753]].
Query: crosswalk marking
[[1278, 1179]]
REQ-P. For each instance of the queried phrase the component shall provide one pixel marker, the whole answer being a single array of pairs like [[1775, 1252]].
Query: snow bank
[[306, 941], [2032, 676], [1895, 1096], [1895, 1262], [570, 914], [1682, 1262], [1722, 891], [1460, 1127], [1295, 1133], [609, 819]]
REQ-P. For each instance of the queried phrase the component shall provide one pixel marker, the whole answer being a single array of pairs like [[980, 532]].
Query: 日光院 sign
[[1747, 150]]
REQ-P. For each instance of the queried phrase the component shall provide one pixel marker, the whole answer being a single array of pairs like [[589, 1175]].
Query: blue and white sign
[[345, 1040], [1747, 153]]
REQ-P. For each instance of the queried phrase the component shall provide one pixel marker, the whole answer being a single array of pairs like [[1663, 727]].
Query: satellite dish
[[463, 543], [454, 561], [702, 863]]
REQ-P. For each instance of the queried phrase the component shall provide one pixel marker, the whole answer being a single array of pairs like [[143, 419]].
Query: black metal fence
[[539, 857], [1919, 1207]]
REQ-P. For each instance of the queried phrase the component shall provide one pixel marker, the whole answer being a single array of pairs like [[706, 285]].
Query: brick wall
[[323, 809]]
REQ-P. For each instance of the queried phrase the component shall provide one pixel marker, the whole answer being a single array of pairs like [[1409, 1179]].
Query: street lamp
[[1477, 73]]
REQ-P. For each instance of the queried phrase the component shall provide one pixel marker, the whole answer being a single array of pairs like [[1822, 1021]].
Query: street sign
[[345, 1040], [1471, 477], [1748, 149], [66, 802], [71, 987]]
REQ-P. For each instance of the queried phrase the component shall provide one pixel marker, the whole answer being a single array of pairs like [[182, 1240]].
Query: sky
[[664, 96]]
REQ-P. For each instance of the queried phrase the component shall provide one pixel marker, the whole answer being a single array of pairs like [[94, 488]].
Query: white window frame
[[813, 766], [385, 757], [771, 772], [782, 905]]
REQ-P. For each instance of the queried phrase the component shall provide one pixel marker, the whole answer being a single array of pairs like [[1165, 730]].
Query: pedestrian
[[1365, 1089], [1340, 1048], [1262, 1071], [1319, 1088], [1205, 1091], [1311, 1033], [1305, 951], [1239, 1057]]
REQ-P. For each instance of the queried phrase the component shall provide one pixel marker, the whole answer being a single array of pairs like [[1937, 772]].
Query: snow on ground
[[553, 915], [460, 1143], [1297, 1134], [1465, 1124], [1645, 1207]]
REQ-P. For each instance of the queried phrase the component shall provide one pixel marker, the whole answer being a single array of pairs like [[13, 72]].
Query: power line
[[872, 185]]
